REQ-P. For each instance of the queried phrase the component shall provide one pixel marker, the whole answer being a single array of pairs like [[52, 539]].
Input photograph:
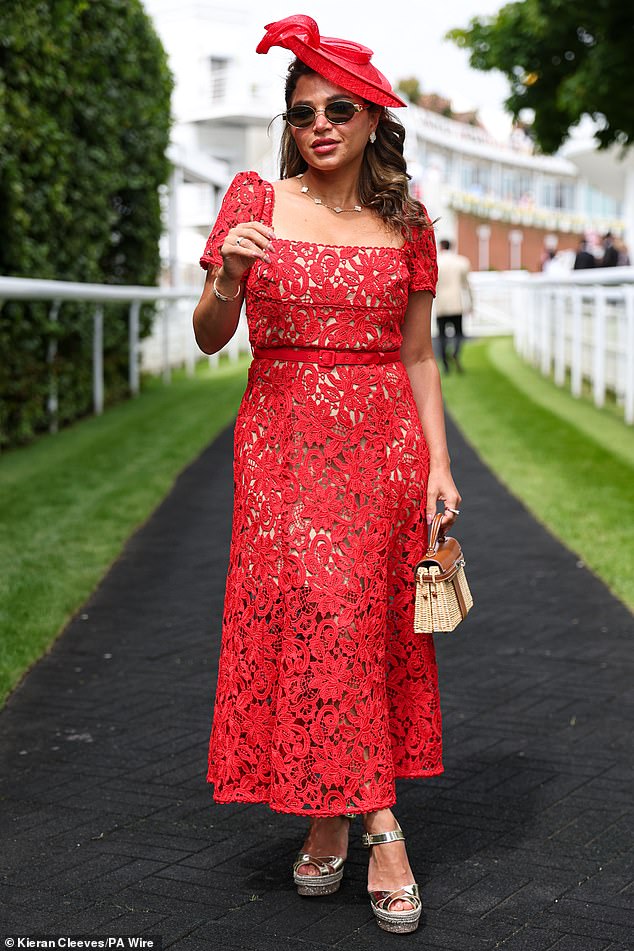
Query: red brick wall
[[499, 244]]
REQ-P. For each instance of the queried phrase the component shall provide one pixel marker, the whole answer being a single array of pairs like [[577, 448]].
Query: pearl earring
[[372, 137]]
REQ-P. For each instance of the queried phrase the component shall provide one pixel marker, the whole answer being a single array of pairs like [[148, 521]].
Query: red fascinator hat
[[340, 61]]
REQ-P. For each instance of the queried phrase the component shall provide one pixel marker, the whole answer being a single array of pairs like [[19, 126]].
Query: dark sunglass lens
[[300, 116], [340, 111]]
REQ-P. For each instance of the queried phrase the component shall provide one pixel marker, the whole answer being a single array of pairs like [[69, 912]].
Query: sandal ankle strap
[[379, 838]]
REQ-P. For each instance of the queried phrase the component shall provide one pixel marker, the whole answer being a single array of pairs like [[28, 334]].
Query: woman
[[325, 695]]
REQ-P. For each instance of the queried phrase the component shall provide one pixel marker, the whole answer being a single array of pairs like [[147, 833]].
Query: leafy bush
[[84, 126]]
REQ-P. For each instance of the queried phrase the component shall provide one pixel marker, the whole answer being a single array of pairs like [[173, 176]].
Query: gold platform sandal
[[401, 922], [330, 868]]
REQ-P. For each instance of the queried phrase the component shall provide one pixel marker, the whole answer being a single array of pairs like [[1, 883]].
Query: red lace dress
[[325, 695]]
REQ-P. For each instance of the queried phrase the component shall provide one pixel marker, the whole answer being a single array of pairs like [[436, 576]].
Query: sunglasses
[[338, 112]]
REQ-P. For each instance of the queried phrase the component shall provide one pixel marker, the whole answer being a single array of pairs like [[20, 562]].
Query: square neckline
[[316, 244]]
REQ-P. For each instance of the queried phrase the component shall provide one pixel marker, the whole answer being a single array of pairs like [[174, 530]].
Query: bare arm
[[418, 358], [215, 320]]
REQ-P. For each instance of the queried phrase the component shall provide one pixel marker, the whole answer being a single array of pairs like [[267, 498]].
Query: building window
[[218, 69], [547, 193], [558, 194], [527, 190], [510, 186], [564, 196]]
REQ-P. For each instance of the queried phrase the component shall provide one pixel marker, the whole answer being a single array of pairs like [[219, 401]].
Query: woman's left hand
[[442, 488]]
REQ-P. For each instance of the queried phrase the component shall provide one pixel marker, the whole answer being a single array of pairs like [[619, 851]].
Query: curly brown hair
[[383, 179]]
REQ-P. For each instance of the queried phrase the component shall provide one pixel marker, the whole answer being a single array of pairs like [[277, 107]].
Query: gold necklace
[[305, 190]]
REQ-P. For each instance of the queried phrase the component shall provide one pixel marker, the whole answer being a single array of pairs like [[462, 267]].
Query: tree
[[564, 60], [410, 88], [84, 126]]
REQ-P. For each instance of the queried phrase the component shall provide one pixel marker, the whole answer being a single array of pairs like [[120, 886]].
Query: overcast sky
[[407, 39]]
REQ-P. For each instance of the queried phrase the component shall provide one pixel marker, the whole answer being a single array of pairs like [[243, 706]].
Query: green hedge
[[84, 126]]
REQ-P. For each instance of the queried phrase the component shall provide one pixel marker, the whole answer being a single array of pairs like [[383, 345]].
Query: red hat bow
[[298, 27], [343, 62]]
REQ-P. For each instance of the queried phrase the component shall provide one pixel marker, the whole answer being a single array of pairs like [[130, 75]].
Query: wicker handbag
[[443, 598]]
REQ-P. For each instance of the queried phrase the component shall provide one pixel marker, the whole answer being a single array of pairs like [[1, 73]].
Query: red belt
[[326, 358]]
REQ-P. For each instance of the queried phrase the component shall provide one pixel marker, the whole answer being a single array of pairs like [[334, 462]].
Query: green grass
[[70, 501], [571, 464]]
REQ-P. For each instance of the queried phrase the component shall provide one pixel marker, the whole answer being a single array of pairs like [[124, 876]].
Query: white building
[[221, 109], [500, 203]]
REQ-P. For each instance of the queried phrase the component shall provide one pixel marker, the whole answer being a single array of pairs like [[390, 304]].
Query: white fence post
[[533, 323], [576, 374], [233, 347], [599, 343], [97, 361], [629, 355], [165, 322], [518, 316], [561, 300], [547, 311], [52, 403], [133, 347], [191, 347]]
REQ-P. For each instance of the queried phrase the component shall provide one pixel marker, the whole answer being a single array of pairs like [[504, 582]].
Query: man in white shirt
[[452, 294]]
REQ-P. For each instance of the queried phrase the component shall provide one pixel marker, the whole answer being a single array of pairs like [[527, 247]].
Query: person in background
[[549, 250], [584, 258], [610, 251], [451, 293], [623, 254]]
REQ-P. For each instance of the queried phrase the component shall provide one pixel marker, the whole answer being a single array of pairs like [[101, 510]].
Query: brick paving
[[524, 843]]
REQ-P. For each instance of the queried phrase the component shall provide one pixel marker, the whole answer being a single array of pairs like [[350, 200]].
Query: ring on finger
[[238, 241], [455, 511]]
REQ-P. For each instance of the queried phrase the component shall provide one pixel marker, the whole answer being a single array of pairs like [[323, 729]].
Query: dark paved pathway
[[109, 827]]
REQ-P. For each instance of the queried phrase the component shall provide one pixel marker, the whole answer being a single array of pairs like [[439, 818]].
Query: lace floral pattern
[[324, 693]]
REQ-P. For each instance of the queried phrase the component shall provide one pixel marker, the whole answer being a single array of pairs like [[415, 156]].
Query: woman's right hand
[[242, 246], [215, 320]]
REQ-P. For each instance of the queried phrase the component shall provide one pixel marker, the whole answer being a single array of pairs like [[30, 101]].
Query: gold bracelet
[[222, 296]]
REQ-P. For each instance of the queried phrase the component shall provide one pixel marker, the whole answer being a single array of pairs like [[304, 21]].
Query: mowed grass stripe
[[70, 501], [605, 426], [567, 476]]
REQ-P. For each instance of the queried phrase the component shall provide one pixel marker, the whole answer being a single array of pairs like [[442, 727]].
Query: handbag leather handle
[[434, 534]]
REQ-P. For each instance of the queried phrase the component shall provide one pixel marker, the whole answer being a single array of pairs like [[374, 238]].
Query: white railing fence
[[495, 298], [170, 344], [577, 326], [580, 326]]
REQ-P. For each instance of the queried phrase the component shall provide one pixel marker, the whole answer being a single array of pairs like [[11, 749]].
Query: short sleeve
[[244, 201], [421, 259]]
